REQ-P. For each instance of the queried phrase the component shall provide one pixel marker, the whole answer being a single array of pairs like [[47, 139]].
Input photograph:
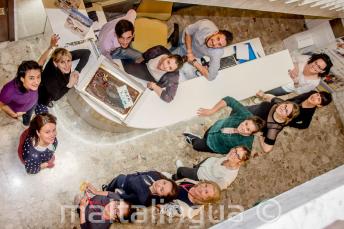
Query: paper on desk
[[242, 52]]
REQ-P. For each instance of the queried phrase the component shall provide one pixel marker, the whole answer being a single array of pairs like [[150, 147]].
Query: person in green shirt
[[237, 129]]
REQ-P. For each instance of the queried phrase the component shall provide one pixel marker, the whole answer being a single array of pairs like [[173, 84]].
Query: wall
[[29, 19]]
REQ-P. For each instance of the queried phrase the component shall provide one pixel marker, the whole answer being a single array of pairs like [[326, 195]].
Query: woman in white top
[[222, 171], [306, 74]]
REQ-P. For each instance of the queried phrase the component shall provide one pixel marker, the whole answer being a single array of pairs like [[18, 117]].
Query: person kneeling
[[222, 171]]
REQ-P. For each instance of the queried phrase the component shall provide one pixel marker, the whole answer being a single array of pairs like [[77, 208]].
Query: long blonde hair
[[211, 199]]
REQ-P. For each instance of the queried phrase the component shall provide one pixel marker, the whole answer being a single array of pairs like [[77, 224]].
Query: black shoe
[[189, 137], [174, 37], [104, 187]]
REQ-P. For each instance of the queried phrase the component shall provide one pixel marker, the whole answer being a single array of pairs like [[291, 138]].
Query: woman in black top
[[308, 103], [277, 114], [160, 68], [57, 76], [141, 188]]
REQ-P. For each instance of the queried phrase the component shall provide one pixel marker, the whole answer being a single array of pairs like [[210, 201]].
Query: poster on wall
[[111, 88]]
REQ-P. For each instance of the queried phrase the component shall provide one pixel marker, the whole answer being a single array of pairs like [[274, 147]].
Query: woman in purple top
[[19, 96]]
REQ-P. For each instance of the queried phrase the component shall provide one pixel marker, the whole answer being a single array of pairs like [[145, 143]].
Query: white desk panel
[[240, 82]]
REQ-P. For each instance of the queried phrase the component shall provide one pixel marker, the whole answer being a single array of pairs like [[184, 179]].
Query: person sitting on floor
[[277, 114], [306, 74], [222, 171], [160, 68], [192, 197], [38, 143], [308, 103], [18, 98], [103, 209], [142, 188], [236, 130], [57, 76], [115, 38]]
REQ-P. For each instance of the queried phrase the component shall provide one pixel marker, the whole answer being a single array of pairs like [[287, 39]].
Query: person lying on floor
[[115, 38], [18, 97], [308, 103], [141, 188], [235, 130], [103, 209], [277, 114], [57, 76], [306, 74], [203, 38], [38, 143], [192, 197], [222, 171], [160, 68]]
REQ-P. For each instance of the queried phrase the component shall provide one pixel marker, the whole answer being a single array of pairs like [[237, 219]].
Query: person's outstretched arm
[[53, 43]]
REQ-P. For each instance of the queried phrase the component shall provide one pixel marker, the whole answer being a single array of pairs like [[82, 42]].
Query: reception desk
[[240, 81]]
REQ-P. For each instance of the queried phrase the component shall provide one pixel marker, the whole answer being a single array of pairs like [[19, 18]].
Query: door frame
[[10, 13]]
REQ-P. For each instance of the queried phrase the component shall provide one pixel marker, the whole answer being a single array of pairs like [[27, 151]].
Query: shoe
[[179, 163], [174, 37], [166, 174], [189, 137], [104, 187]]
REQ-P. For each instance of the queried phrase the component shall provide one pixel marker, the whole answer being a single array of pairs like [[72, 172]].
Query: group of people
[[38, 84]]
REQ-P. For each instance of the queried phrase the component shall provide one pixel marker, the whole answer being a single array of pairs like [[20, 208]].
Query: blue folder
[[252, 55]]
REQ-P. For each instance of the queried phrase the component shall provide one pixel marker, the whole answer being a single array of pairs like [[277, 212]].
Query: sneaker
[[104, 187], [189, 137], [179, 163], [166, 174]]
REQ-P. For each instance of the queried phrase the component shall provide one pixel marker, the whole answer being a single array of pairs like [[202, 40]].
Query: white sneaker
[[167, 174], [179, 163]]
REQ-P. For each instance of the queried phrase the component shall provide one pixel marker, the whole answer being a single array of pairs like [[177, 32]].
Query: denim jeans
[[127, 53], [27, 116], [279, 91]]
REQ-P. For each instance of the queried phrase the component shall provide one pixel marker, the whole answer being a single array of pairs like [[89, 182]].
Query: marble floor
[[87, 153]]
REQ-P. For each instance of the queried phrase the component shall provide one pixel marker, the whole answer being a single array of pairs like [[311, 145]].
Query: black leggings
[[200, 144], [138, 70], [186, 172]]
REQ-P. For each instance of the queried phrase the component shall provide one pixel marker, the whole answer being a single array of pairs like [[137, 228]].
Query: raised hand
[[54, 40], [204, 112]]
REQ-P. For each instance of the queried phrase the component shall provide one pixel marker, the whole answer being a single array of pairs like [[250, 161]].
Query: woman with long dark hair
[[38, 143], [19, 96], [306, 74]]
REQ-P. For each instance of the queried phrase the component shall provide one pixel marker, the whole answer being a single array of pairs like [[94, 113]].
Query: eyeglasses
[[318, 67], [237, 154]]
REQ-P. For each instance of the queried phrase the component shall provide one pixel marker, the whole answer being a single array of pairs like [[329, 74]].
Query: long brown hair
[[37, 123]]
